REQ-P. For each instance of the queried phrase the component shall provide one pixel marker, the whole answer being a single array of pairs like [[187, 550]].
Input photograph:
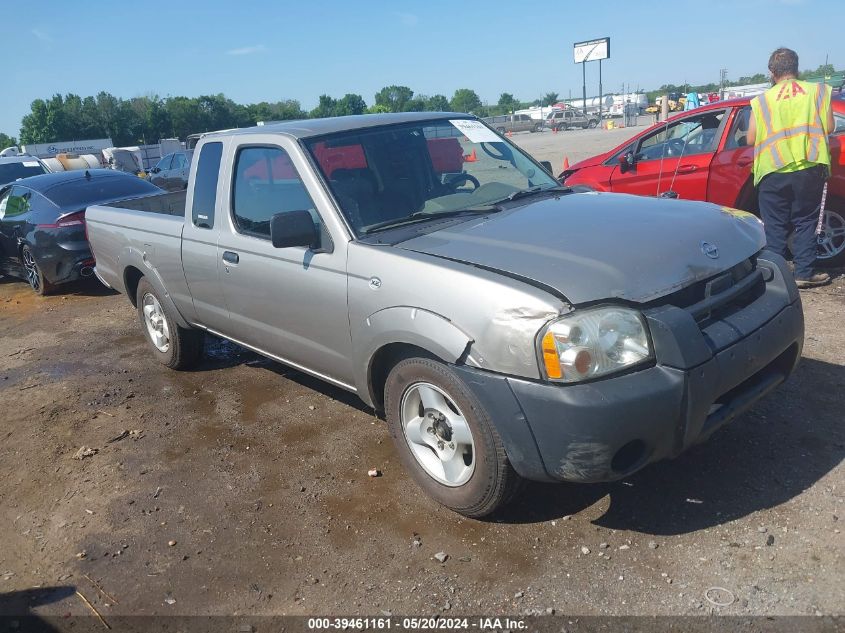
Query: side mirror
[[155, 170], [547, 165], [626, 161], [293, 228]]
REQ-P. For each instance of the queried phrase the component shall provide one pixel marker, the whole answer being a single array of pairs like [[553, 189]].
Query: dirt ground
[[242, 488]]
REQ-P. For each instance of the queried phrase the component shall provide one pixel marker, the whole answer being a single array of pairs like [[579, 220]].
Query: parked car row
[[556, 120], [702, 155]]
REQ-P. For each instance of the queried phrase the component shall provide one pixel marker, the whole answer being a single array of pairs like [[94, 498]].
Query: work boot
[[816, 279]]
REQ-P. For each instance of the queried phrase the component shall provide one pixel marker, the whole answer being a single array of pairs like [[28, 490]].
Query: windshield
[[383, 176], [10, 172]]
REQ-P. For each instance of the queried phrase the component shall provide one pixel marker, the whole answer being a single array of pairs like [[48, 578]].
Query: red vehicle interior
[[699, 155]]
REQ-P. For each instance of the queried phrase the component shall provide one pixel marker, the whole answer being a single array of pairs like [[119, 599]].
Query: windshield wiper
[[421, 216], [524, 193]]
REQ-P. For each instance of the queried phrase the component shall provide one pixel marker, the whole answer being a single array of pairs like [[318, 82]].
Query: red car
[[702, 155]]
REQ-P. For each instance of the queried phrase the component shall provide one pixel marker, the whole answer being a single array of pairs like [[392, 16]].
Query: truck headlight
[[593, 343]]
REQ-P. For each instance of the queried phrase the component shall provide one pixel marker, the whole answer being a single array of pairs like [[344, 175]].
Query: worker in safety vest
[[788, 128]]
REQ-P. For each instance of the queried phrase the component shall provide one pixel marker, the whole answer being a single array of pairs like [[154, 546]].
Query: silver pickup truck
[[507, 327]]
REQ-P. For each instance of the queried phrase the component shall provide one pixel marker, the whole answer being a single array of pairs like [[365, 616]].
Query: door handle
[[230, 258], [687, 169]]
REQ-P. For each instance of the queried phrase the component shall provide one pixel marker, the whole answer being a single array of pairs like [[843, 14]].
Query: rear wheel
[[446, 439], [500, 130], [538, 127], [174, 346], [34, 274], [831, 241], [593, 123]]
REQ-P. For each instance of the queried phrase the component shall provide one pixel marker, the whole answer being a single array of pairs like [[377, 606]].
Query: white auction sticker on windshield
[[475, 131], [30, 163]]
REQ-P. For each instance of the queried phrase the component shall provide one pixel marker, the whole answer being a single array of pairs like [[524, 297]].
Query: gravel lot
[[242, 487]]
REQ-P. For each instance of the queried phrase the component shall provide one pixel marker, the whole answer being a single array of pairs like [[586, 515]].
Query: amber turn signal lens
[[551, 359]]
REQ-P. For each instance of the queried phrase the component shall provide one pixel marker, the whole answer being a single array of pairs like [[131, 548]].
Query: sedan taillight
[[71, 219]]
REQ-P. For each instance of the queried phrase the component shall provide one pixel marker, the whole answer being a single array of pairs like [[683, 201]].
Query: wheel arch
[[392, 334], [132, 276]]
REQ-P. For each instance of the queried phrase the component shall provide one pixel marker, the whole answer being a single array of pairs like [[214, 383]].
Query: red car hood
[[592, 161]]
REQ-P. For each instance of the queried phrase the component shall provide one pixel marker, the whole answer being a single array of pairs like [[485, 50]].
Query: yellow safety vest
[[791, 119]]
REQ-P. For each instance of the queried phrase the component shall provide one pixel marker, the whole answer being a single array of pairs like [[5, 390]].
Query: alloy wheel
[[438, 434]]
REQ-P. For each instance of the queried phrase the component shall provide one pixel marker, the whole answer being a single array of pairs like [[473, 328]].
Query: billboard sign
[[44, 150], [591, 51]]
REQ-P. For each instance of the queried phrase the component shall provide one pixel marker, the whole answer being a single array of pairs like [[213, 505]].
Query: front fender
[[132, 257], [412, 326]]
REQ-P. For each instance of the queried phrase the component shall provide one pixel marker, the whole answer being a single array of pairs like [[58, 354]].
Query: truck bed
[[168, 203], [146, 231]]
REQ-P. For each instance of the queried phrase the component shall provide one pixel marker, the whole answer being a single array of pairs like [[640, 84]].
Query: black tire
[[34, 274], [500, 130], [185, 345], [593, 123], [835, 220], [538, 127], [493, 481]]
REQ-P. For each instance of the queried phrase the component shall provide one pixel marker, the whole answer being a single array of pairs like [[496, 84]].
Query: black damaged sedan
[[42, 223]]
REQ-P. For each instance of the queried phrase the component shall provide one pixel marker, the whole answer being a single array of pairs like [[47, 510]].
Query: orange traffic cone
[[509, 134], [471, 158], [565, 163]]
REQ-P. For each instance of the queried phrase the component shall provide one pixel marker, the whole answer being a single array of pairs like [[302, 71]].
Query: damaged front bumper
[[707, 373]]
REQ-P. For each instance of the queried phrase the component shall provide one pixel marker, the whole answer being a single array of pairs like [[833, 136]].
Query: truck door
[[200, 259], [674, 156], [289, 302]]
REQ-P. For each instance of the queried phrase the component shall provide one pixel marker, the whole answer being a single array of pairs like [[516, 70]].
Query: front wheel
[[446, 439], [592, 124], [538, 127], [174, 346], [34, 274]]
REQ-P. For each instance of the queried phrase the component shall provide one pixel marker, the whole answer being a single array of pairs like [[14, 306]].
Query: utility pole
[[601, 96], [584, 84], [723, 76]]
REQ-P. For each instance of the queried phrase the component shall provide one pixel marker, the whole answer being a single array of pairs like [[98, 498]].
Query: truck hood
[[593, 246]]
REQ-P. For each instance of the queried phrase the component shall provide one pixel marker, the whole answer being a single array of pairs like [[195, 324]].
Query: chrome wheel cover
[[156, 322], [438, 434]]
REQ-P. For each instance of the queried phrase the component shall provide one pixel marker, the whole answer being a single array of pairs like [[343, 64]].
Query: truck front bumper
[[610, 428]]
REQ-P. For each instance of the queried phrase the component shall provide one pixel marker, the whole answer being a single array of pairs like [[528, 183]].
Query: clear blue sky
[[257, 50]]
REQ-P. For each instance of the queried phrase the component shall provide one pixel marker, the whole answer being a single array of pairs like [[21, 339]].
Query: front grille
[[721, 295]]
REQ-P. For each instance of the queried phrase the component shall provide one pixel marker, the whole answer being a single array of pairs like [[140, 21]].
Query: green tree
[[350, 104], [550, 98], [465, 100], [437, 103], [507, 102], [377, 108], [7, 141], [394, 98], [325, 108]]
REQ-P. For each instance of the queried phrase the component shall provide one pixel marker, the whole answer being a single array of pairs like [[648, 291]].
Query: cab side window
[[266, 183], [164, 163], [179, 161]]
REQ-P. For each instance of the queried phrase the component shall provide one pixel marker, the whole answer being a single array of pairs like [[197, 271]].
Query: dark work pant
[[789, 203]]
